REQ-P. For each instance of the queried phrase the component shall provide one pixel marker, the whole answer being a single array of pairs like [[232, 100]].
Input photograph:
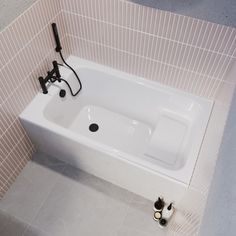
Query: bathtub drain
[[93, 127]]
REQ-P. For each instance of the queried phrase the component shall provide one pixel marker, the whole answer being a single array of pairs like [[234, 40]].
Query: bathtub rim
[[41, 100]]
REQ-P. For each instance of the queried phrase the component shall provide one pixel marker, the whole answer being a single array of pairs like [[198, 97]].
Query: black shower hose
[[80, 84]]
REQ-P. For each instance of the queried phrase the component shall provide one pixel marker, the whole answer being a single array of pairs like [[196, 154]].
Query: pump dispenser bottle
[[168, 211]]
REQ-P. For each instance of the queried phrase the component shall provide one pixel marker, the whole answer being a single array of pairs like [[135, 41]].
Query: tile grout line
[[126, 215], [30, 41], [5, 159], [143, 57], [14, 172], [146, 33], [43, 202], [30, 73], [19, 16], [7, 129]]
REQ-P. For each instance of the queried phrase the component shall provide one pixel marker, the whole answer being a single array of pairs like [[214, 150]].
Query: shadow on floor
[[82, 178], [11, 226], [54, 198]]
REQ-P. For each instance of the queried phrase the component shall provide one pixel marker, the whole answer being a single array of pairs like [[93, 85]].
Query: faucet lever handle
[[56, 69]]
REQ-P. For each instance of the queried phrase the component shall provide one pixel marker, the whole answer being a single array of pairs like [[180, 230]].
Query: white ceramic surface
[[149, 135]]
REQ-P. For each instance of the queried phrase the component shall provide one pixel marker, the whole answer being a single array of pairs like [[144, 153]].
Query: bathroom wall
[[217, 11], [10, 9], [221, 200], [26, 51], [179, 51]]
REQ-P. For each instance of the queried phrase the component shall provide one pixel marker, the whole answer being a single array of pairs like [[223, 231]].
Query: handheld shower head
[[56, 36], [55, 65]]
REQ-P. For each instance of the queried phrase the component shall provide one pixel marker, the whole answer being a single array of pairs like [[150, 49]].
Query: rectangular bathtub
[[135, 133]]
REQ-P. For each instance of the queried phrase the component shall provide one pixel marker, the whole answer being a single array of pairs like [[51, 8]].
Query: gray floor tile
[[11, 226], [33, 231], [56, 199], [96, 184], [48, 161], [81, 204], [130, 232], [30, 190], [139, 218]]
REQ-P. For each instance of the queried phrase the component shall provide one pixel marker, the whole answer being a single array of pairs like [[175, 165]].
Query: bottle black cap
[[62, 93], [163, 222], [169, 207], [159, 204]]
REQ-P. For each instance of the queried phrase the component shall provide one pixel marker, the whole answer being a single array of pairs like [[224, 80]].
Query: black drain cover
[[93, 127]]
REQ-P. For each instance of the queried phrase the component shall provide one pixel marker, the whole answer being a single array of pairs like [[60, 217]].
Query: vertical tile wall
[[179, 51], [26, 51]]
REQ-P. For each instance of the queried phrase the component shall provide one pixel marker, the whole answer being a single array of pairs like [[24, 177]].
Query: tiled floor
[[51, 198]]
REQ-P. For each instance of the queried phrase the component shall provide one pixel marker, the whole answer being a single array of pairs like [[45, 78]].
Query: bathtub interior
[[159, 127]]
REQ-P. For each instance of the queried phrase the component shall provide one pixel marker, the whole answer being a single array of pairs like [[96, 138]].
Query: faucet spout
[[43, 85]]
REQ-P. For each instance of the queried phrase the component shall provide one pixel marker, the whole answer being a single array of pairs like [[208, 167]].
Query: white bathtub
[[149, 135]]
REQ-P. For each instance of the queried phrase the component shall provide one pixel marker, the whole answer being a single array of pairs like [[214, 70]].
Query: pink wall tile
[[168, 46], [18, 34], [14, 163], [26, 47], [225, 93], [164, 50], [2, 55]]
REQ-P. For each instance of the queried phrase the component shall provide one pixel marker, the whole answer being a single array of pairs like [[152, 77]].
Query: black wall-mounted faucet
[[53, 75]]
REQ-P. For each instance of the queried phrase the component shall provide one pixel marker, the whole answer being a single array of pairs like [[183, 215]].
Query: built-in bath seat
[[167, 142]]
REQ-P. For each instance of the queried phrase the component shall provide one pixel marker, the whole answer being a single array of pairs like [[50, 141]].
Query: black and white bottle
[[168, 211]]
